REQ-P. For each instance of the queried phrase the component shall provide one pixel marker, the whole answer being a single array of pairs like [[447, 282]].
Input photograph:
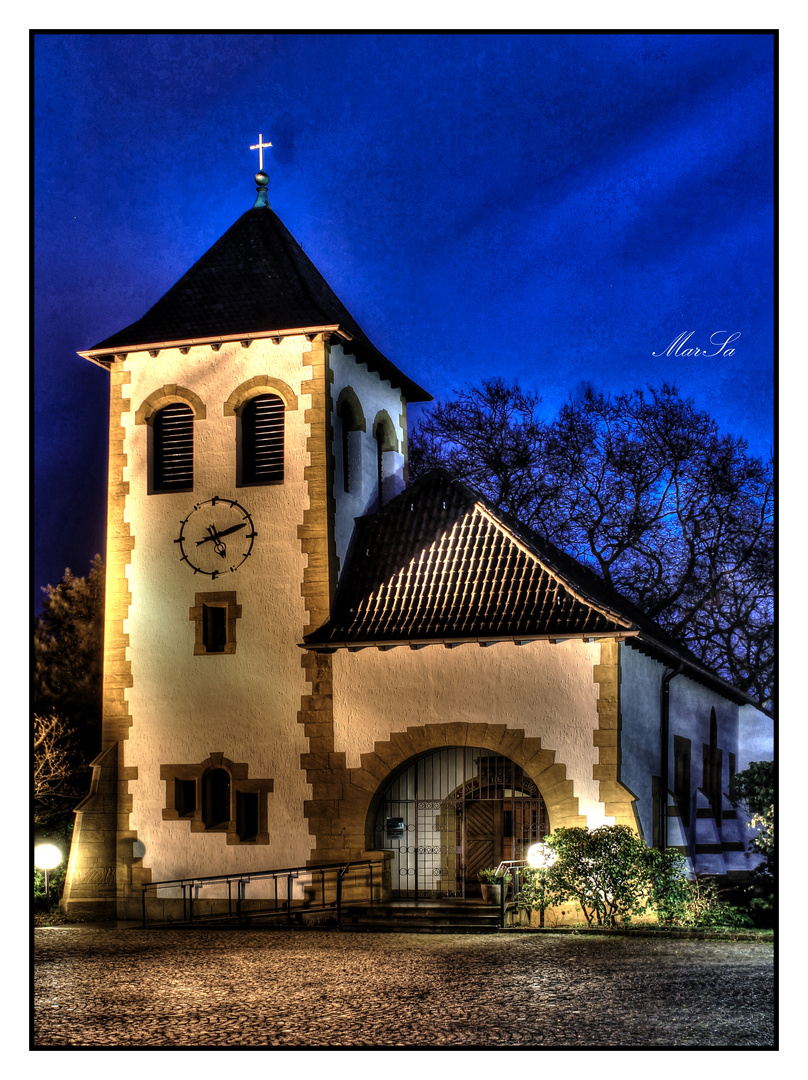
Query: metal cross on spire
[[260, 147]]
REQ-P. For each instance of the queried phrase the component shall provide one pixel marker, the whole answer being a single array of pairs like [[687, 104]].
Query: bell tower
[[251, 421]]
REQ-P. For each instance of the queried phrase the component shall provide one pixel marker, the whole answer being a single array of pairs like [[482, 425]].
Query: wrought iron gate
[[452, 812]]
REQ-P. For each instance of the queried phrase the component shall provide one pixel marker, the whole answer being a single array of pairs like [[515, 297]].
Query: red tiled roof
[[255, 279]]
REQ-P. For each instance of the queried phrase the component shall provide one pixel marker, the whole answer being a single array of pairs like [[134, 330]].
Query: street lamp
[[47, 857], [541, 857]]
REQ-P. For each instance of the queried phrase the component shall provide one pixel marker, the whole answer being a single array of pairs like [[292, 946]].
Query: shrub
[[753, 790], [537, 888], [698, 904], [609, 872], [613, 876]]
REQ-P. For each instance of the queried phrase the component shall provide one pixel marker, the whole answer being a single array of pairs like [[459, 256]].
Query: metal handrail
[[515, 865], [291, 873]]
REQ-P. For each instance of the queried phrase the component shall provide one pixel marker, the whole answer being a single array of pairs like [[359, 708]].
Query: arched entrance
[[451, 812]]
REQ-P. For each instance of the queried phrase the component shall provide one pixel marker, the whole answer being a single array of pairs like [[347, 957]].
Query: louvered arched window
[[173, 448], [262, 421]]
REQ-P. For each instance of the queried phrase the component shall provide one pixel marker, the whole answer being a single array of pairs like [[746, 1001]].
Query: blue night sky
[[552, 208]]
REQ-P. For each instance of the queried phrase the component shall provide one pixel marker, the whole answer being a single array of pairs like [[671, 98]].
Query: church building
[[309, 661]]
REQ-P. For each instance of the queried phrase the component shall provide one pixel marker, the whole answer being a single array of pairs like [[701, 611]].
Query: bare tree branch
[[643, 489]]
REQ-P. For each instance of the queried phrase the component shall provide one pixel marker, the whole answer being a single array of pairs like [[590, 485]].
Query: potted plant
[[491, 882]]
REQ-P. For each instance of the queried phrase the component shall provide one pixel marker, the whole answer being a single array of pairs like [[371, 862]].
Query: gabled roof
[[438, 565], [255, 280]]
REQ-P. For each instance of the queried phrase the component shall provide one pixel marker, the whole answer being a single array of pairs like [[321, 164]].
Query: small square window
[[215, 615], [214, 627]]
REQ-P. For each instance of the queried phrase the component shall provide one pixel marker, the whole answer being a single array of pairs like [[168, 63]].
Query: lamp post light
[[541, 857], [47, 857]]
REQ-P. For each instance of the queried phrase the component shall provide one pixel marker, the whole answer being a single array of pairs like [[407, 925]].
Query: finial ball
[[261, 178]]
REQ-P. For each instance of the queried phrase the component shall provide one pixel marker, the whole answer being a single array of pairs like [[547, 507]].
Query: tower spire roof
[[256, 280]]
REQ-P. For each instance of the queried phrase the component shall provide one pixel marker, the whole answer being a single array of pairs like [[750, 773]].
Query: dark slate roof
[[255, 279], [437, 564]]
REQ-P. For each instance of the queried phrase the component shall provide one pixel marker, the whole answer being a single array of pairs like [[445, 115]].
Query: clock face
[[216, 537]]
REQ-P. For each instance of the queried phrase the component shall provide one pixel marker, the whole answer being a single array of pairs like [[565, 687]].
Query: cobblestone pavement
[[198, 988]]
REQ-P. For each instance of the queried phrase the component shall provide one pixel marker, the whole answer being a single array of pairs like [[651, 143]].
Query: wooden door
[[483, 837]]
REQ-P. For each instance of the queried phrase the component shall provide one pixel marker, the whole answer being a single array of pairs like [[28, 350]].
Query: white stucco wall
[[689, 717], [375, 395], [185, 707], [545, 689]]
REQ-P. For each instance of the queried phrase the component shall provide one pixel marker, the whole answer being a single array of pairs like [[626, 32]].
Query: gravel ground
[[98, 987]]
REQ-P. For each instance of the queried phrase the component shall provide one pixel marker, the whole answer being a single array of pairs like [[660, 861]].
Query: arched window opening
[[350, 425], [386, 446], [216, 798], [173, 448], [350, 471], [262, 436], [380, 472], [452, 812]]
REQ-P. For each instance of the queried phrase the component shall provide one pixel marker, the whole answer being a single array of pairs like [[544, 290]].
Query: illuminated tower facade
[[250, 421]]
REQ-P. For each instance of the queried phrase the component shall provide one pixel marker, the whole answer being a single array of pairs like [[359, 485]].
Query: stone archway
[[343, 797], [448, 814]]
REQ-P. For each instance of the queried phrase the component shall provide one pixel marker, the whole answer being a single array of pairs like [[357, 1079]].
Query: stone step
[[425, 911], [420, 918], [417, 926], [437, 917]]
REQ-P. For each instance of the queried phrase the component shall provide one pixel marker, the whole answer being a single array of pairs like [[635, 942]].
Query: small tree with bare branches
[[57, 768]]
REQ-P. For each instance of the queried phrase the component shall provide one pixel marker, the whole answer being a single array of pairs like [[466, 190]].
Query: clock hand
[[214, 535], [218, 545], [232, 529]]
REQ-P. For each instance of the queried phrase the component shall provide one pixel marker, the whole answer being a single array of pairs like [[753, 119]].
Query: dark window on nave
[[380, 472], [681, 777], [712, 768]]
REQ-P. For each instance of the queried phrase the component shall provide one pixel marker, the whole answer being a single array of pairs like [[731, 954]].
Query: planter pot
[[491, 893]]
